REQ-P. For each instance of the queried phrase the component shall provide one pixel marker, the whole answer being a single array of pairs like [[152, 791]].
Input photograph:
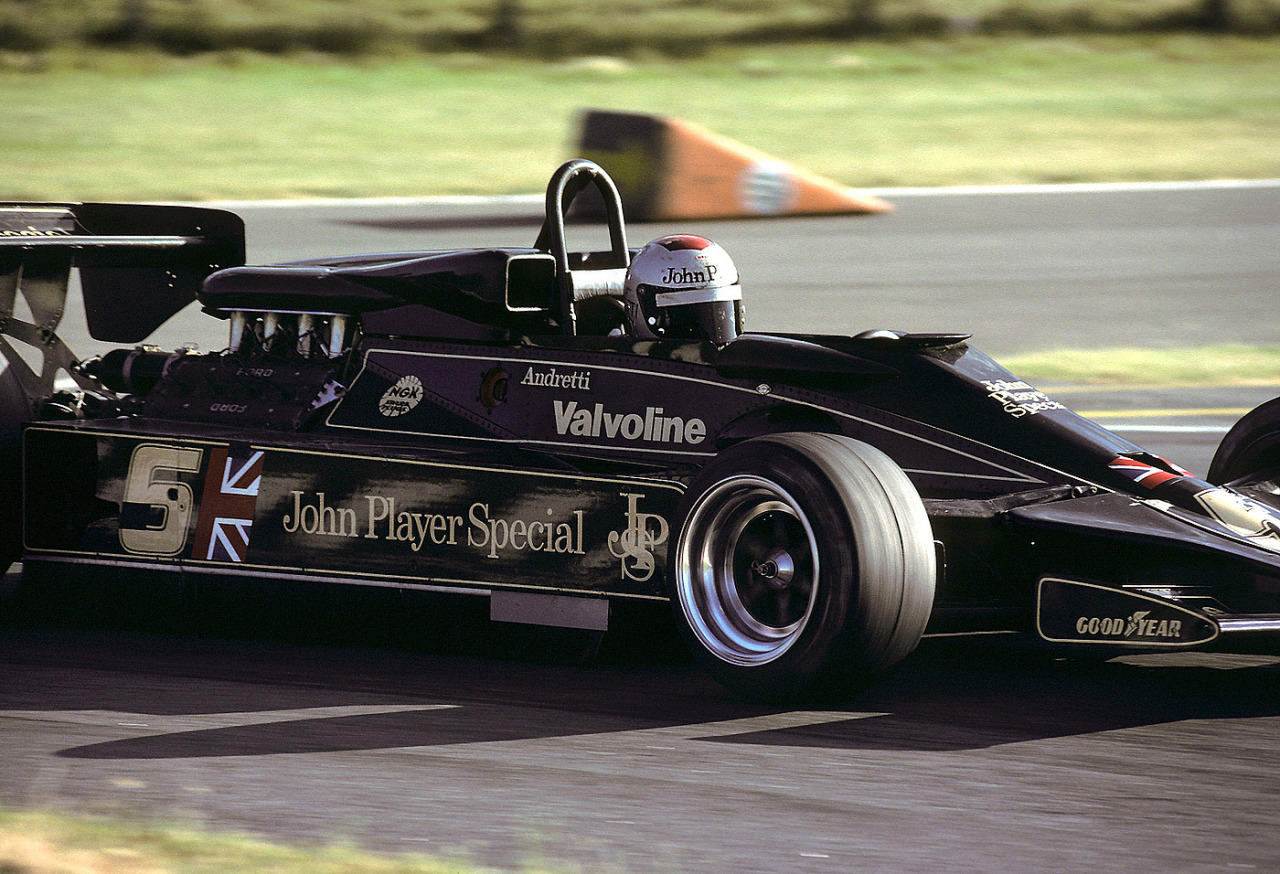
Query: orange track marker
[[667, 168]]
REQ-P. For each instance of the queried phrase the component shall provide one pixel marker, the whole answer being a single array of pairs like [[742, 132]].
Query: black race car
[[555, 432]]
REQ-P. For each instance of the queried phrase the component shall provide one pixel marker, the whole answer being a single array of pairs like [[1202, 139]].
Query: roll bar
[[570, 180]]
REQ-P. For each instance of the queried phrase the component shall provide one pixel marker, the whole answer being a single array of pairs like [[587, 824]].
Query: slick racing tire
[[15, 411], [1252, 445], [805, 564]]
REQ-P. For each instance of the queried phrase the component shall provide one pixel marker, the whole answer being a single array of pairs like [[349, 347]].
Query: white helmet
[[684, 287]]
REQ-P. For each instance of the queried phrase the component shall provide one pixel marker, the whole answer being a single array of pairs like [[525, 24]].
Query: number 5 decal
[[157, 508]]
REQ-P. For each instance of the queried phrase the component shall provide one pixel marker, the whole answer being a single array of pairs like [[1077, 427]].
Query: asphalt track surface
[[972, 755]]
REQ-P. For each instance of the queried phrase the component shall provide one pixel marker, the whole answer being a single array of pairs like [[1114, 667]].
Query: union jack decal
[[1146, 474], [227, 504]]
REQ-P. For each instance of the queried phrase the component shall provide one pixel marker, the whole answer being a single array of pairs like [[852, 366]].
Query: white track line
[[887, 193], [1078, 188], [358, 202], [1168, 429]]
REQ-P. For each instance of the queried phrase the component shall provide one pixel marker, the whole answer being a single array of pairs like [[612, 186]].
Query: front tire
[[805, 564], [1252, 445]]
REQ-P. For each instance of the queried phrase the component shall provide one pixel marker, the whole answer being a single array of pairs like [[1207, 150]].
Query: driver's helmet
[[684, 287]]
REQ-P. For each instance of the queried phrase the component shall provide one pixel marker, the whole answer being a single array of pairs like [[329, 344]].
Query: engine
[[280, 370]]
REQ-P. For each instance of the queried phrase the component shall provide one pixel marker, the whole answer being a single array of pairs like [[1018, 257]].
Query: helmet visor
[[717, 322]]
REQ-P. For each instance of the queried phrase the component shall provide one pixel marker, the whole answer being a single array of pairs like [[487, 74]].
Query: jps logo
[[635, 544], [401, 397], [1244, 516]]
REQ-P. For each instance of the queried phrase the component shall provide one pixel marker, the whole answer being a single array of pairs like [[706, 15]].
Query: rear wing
[[139, 265]]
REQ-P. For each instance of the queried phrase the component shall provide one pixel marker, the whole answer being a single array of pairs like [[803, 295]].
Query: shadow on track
[[438, 677], [963, 695]]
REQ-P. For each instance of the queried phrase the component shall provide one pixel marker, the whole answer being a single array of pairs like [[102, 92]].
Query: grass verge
[[974, 110], [559, 28], [1227, 364], [47, 843]]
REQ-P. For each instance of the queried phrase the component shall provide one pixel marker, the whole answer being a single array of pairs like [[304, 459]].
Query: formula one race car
[[563, 431]]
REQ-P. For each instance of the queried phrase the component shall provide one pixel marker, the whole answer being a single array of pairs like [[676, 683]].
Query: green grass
[[560, 28], [1227, 364], [974, 110], [46, 843]]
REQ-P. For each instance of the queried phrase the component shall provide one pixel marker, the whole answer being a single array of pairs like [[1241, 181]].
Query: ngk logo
[[402, 397]]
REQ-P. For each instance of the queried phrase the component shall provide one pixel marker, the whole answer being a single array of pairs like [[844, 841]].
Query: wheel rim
[[747, 570]]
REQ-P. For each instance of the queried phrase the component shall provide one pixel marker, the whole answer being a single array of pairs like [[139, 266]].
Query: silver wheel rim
[[747, 570]]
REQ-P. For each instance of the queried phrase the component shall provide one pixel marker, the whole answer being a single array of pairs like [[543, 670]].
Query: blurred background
[[209, 99], [967, 759]]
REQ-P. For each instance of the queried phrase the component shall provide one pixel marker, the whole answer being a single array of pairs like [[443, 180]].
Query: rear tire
[[805, 564], [1252, 445], [15, 411]]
